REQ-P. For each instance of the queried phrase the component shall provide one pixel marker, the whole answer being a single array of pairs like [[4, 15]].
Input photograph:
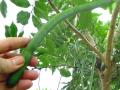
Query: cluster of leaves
[[61, 49]]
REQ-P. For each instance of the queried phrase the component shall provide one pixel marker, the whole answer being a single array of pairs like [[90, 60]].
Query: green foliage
[[21, 3], [21, 34], [11, 31], [41, 9], [65, 72], [3, 8], [36, 21], [23, 17], [85, 21]]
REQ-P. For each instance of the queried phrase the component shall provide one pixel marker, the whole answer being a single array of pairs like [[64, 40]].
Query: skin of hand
[[10, 62]]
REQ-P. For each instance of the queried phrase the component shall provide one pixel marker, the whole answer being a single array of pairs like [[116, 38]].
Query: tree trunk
[[105, 79]]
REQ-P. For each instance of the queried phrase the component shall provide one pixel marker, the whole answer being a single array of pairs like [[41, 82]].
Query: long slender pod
[[44, 30]]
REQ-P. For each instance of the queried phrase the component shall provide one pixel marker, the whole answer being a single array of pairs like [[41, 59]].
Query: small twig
[[39, 80], [111, 35], [79, 34], [59, 82], [53, 6]]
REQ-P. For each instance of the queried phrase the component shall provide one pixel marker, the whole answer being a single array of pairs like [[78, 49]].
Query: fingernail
[[27, 39], [18, 62]]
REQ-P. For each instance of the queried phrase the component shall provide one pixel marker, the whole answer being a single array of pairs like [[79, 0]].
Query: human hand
[[10, 62]]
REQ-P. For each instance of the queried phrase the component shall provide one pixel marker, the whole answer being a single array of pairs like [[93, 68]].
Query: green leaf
[[21, 34], [36, 21], [65, 72], [41, 50], [44, 61], [53, 69], [50, 45], [85, 20], [3, 8], [21, 3], [7, 31], [23, 17], [41, 9], [33, 34], [13, 29], [37, 12]]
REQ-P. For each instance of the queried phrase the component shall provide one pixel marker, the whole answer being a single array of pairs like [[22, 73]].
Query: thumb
[[8, 66]]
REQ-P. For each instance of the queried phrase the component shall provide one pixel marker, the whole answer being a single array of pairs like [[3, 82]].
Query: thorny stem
[[79, 34]]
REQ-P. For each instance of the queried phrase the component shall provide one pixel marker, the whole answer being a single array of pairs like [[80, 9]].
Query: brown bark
[[106, 75], [105, 80]]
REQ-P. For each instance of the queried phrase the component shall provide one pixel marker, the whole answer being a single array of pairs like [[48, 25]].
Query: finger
[[8, 66], [3, 78], [8, 55], [3, 86], [24, 84], [12, 43], [31, 75], [33, 61]]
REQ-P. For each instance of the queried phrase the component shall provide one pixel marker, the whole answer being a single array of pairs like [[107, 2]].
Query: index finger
[[12, 43]]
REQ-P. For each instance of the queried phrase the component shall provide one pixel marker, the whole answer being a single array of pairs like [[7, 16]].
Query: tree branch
[[59, 82], [79, 34], [111, 35]]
